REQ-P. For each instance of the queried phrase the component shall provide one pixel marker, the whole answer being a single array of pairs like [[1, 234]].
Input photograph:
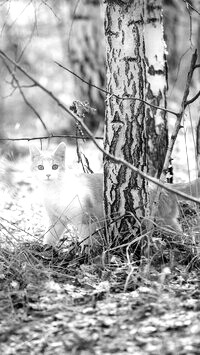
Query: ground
[[51, 303]]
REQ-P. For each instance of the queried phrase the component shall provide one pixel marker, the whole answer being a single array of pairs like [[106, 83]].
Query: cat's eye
[[55, 166], [41, 167]]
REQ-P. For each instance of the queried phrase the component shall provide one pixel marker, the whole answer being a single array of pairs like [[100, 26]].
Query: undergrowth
[[27, 266], [31, 262]]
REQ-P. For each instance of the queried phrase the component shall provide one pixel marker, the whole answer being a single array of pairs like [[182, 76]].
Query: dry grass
[[28, 262]]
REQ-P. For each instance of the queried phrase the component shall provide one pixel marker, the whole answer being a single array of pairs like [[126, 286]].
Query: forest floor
[[51, 304]]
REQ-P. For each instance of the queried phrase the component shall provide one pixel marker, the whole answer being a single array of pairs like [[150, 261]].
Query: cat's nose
[[48, 176]]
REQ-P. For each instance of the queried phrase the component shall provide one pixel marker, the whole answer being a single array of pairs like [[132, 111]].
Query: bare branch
[[45, 3], [83, 80], [188, 5], [71, 26], [177, 125], [27, 42], [24, 97], [87, 130], [188, 82], [190, 21], [193, 99], [71, 136], [176, 129], [118, 97], [22, 11]]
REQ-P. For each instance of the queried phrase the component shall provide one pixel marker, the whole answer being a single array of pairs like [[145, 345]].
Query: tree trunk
[[133, 131]]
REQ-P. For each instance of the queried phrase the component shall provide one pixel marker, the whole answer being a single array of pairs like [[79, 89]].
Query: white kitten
[[69, 198]]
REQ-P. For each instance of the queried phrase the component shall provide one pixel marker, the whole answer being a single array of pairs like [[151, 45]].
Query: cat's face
[[48, 166]]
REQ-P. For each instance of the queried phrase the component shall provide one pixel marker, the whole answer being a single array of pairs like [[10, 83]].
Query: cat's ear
[[34, 151], [60, 150]]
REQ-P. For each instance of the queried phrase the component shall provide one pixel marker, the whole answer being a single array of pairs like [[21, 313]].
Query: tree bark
[[133, 131]]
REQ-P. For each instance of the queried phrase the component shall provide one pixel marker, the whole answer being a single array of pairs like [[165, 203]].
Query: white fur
[[69, 198]]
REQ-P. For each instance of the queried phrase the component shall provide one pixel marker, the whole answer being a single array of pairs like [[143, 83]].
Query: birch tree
[[134, 131]]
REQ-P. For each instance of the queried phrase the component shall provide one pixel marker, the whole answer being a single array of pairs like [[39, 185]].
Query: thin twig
[[190, 22], [89, 133], [71, 26], [24, 97], [176, 129], [117, 96], [189, 5], [193, 99], [50, 136], [184, 103]]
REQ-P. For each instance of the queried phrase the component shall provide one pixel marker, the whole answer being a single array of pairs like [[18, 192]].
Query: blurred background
[[37, 34]]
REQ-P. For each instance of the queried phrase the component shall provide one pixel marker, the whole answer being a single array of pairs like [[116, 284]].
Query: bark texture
[[133, 130]]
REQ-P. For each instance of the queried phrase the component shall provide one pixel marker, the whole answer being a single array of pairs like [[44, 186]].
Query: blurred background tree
[[86, 52]]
